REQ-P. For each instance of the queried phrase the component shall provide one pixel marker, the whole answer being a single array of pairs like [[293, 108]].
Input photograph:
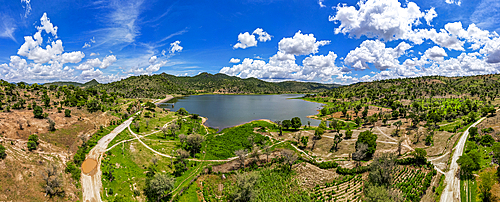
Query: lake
[[225, 111]]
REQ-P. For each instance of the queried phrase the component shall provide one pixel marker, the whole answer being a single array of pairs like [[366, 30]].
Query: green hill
[[156, 86]]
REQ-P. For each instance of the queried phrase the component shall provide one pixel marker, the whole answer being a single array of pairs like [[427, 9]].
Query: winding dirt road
[[91, 167], [452, 190]]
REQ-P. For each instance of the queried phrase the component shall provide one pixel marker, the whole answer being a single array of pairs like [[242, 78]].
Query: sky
[[327, 41]]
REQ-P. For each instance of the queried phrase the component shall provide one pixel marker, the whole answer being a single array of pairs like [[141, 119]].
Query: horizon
[[334, 42]]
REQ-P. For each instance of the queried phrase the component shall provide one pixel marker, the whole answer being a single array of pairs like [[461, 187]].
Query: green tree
[[304, 140], [486, 181], [395, 114], [348, 134], [375, 193], [93, 106], [472, 133], [38, 112], [296, 122], [334, 124], [419, 154], [370, 139], [245, 187], [160, 186], [183, 111], [487, 140], [381, 169], [32, 142], [287, 124], [67, 113]]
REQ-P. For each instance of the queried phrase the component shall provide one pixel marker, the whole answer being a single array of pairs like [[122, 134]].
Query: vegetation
[[157, 86], [2, 152]]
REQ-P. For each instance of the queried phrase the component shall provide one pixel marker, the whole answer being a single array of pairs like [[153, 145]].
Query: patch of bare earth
[[309, 175]]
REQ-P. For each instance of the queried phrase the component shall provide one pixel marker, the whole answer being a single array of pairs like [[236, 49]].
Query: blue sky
[[323, 41]]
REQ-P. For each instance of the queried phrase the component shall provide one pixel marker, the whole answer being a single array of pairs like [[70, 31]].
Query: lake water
[[225, 111]]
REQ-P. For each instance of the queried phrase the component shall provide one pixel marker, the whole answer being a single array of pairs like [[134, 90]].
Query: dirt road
[[452, 190], [91, 181]]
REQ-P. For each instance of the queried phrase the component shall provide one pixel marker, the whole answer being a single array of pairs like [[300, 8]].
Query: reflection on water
[[229, 110]]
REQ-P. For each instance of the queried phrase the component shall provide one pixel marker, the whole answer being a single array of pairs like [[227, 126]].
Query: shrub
[[67, 113], [38, 112], [2, 152]]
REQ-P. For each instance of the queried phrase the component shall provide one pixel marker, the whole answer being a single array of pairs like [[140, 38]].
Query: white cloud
[[153, 59], [441, 38], [7, 27], [320, 2], [234, 60], [93, 54], [89, 44], [282, 66], [72, 57], [457, 2], [384, 19], [245, 40], [155, 67], [47, 26], [431, 14], [300, 44], [375, 52], [435, 53], [27, 8], [263, 36], [96, 62], [175, 47]]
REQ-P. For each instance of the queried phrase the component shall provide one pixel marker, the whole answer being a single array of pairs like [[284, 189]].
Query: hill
[[91, 83], [156, 86]]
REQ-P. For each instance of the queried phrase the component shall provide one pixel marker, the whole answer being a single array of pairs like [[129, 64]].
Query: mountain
[[156, 86], [91, 83]]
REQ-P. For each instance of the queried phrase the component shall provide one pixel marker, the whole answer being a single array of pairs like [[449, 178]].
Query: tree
[[348, 134], [67, 113], [137, 126], [290, 158], [467, 164], [245, 187], [38, 112], [160, 185], [194, 141], [287, 124], [280, 126], [395, 114], [487, 140], [472, 133], [375, 193], [364, 113], [381, 169], [336, 141], [429, 140], [419, 154], [182, 138], [150, 106], [304, 140], [318, 133], [360, 153], [241, 154], [2, 152], [267, 150], [397, 124], [486, 181], [93, 106], [373, 119], [32, 142], [370, 139], [358, 121], [496, 152], [296, 123], [53, 183], [182, 111], [334, 124]]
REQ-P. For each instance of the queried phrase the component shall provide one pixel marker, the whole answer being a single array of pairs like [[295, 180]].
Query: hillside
[[156, 86], [93, 82]]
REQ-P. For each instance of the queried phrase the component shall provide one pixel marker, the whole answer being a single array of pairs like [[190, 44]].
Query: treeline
[[157, 86]]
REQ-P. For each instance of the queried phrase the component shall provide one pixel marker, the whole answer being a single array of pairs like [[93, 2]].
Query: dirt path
[[91, 181], [452, 190]]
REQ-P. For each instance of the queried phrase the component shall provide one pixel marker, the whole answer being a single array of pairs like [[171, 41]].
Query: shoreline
[[166, 99]]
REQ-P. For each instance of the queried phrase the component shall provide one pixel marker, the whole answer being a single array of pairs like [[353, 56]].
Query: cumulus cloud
[[283, 65], [320, 2], [234, 60], [435, 53], [431, 14], [47, 26], [245, 40], [300, 44], [175, 47], [263, 36], [375, 52], [89, 44], [153, 59], [96, 62], [94, 54], [384, 19]]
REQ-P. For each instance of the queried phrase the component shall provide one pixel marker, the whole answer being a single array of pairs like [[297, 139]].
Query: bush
[[357, 170], [2, 152], [38, 112], [67, 113], [32, 145], [327, 164], [52, 125], [74, 170]]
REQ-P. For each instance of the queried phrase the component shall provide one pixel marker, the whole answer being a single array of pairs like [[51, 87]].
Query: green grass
[[124, 135], [440, 188], [189, 195], [223, 145], [471, 194], [155, 123]]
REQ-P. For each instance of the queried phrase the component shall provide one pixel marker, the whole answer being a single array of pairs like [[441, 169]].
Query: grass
[[155, 122], [124, 135], [470, 194], [223, 145], [440, 188], [277, 185], [65, 136], [190, 194]]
